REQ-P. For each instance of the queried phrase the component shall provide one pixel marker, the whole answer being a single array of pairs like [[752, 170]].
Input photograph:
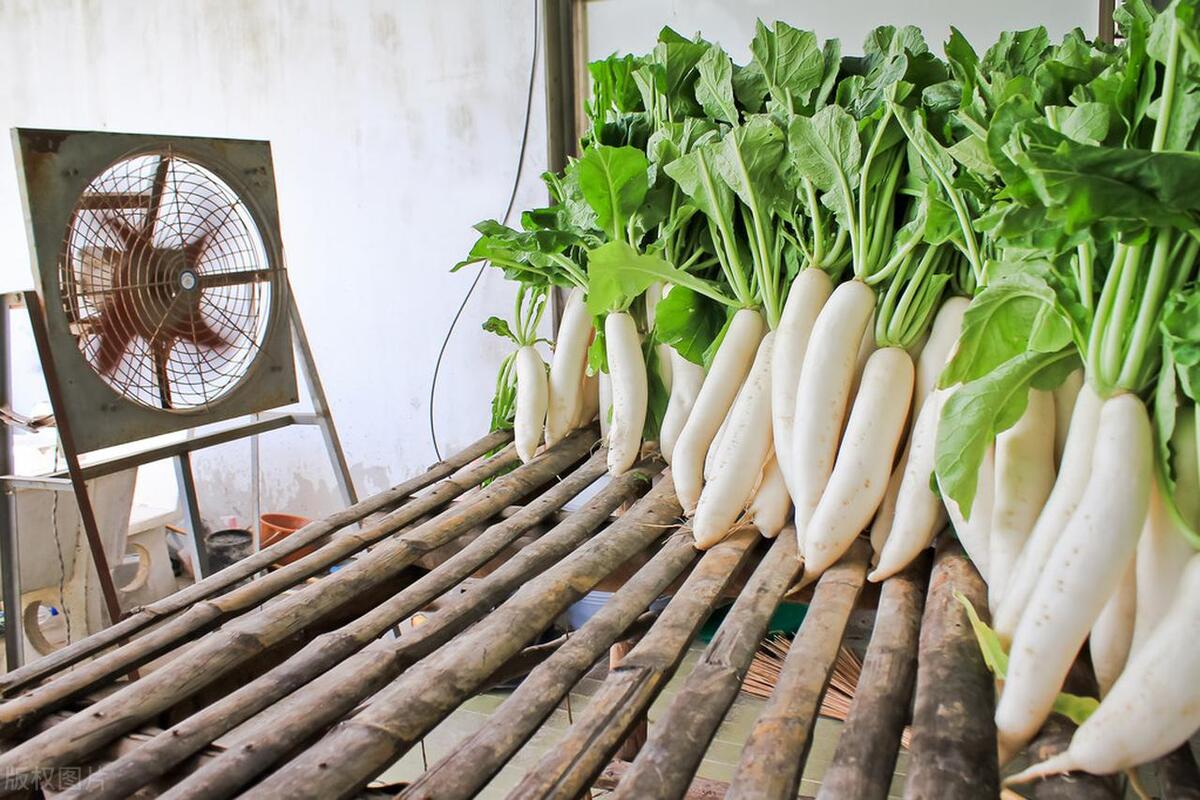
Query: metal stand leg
[[316, 394], [10, 557], [191, 507]]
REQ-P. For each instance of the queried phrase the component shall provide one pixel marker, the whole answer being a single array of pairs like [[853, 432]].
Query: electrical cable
[[512, 199]]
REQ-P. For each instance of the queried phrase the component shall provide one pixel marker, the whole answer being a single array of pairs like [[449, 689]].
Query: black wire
[[512, 199]]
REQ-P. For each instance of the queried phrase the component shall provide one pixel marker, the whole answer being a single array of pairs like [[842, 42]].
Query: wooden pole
[[72, 654], [1178, 775], [865, 758], [477, 759], [636, 738], [224, 650], [362, 746], [666, 765], [774, 755], [124, 777], [1054, 738], [953, 753], [569, 768]]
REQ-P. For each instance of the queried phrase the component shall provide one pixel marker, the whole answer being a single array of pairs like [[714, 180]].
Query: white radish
[[589, 404], [810, 289], [1112, 634], [654, 293], [530, 414], [741, 455], [943, 338], [1082, 572], [604, 397], [1024, 478], [864, 460], [973, 534], [725, 376], [714, 449], [686, 380], [918, 513], [567, 366], [1075, 467], [1162, 554], [865, 348], [881, 526], [629, 391], [823, 394], [1064, 406], [771, 504], [1153, 708]]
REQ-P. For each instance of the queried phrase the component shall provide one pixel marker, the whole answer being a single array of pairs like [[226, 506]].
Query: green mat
[[786, 619]]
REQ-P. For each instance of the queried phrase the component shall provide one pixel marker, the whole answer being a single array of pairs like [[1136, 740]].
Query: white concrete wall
[[395, 126], [633, 25]]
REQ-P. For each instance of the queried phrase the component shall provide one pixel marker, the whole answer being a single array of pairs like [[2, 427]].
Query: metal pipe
[[10, 556]]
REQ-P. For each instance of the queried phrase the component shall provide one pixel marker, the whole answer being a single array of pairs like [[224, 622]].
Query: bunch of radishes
[[889, 292]]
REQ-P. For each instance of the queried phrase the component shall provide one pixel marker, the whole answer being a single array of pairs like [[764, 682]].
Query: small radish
[[1113, 632], [714, 449], [721, 385], [810, 289], [1153, 708], [1083, 571], [938, 349], [881, 527], [567, 366], [604, 397], [629, 390], [686, 380], [1064, 407], [1162, 554], [864, 460], [1075, 467], [973, 534], [823, 394], [865, 348], [589, 404], [742, 452], [771, 504], [1024, 478], [530, 415], [654, 293]]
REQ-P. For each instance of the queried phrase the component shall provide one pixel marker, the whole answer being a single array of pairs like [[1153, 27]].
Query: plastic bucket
[[276, 527], [227, 547]]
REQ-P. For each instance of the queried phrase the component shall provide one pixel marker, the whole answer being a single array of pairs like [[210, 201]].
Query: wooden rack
[[283, 683]]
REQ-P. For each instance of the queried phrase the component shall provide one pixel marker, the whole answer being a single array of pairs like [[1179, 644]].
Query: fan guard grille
[[166, 282]]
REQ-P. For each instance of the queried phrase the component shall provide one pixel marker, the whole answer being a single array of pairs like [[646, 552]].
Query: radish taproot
[[1112, 635], [686, 380], [530, 417], [567, 367], [771, 504], [627, 367]]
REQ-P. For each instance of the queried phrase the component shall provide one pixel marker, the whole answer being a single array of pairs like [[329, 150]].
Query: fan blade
[[114, 341], [215, 279]]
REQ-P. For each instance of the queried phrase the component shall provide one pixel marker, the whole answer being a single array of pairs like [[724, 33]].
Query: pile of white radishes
[[880, 296]]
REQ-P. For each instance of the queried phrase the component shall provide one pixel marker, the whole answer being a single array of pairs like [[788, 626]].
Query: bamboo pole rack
[[286, 683]]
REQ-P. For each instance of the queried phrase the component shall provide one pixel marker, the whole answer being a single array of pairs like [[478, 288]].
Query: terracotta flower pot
[[274, 528]]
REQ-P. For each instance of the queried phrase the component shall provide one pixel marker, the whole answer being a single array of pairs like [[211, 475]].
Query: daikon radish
[[918, 513], [864, 460], [1153, 708], [810, 289], [629, 391], [882, 524], [1064, 407], [943, 337], [686, 380], [741, 456], [589, 404], [1113, 632], [567, 366], [973, 534], [1082, 572], [654, 293], [725, 376], [604, 396], [1024, 478], [1075, 467], [530, 415], [714, 449], [823, 394], [771, 504], [1162, 554], [866, 347]]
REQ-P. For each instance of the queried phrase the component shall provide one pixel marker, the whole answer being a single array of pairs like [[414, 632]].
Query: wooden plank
[[773, 758], [172, 746], [865, 758], [569, 768], [953, 752], [365, 744], [698, 789], [222, 651], [39, 670], [680, 737], [475, 761]]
